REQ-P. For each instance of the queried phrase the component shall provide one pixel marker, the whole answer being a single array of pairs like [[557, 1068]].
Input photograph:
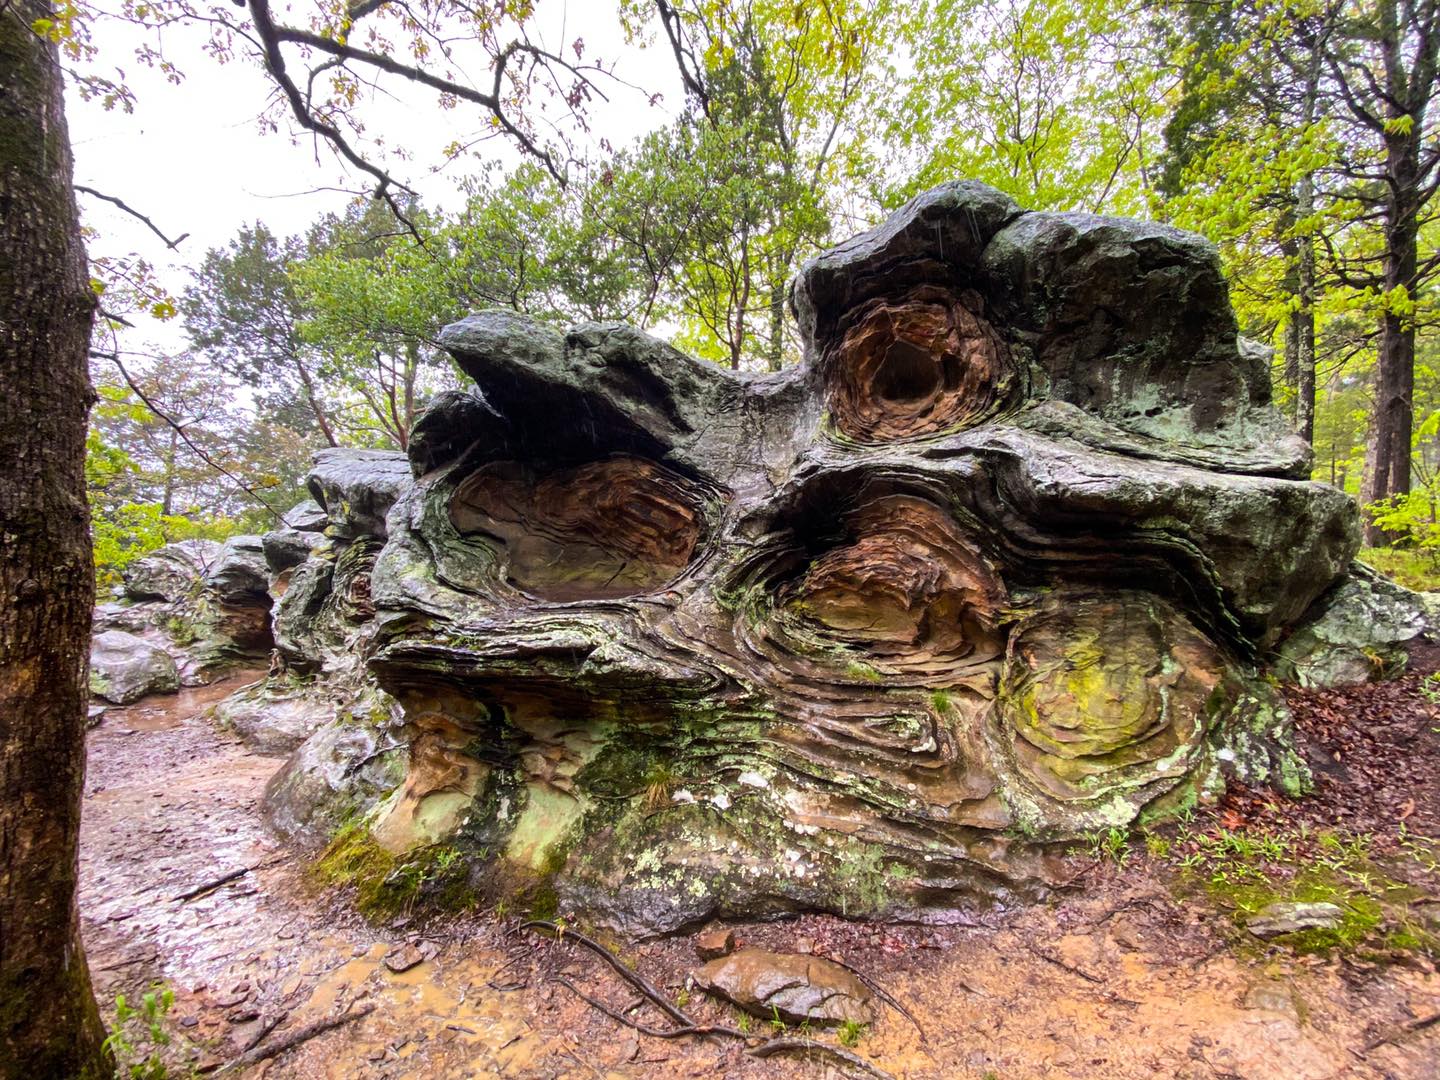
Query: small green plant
[[1113, 844], [134, 1027], [1246, 871], [1157, 846], [850, 1033], [940, 701], [743, 1023], [682, 998], [857, 669], [776, 1024], [658, 784], [1430, 687]]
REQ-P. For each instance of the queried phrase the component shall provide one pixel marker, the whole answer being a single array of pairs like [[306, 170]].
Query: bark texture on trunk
[[49, 1024]]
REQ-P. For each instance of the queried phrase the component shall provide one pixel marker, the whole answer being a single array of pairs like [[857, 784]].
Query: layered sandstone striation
[[1000, 563]]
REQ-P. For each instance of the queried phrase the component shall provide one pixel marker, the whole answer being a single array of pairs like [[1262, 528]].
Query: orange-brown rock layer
[[923, 364], [600, 530]]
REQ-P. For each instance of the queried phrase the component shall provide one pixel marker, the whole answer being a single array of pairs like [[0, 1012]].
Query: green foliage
[[138, 1036], [435, 877], [1049, 101], [1246, 871], [1112, 844], [851, 1032]]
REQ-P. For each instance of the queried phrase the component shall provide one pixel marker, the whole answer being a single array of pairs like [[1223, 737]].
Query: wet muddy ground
[[1140, 971]]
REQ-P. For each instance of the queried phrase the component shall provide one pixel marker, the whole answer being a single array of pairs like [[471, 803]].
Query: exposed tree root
[[295, 1038], [820, 1049], [688, 1027], [634, 979]]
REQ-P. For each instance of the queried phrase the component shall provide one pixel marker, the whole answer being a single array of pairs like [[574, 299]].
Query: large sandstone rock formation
[[1000, 563], [205, 603]]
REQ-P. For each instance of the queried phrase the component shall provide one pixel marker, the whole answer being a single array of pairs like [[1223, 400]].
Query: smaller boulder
[[287, 548], [239, 574], [1356, 633], [271, 721], [1290, 917], [796, 988], [124, 668], [172, 572], [714, 942], [307, 516], [299, 533]]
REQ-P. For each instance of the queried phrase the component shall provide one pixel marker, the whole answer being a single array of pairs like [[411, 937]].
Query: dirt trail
[[1120, 980]]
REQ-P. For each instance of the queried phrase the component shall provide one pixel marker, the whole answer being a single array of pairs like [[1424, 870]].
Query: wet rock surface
[[124, 668], [1000, 565], [797, 989], [272, 718], [1357, 632], [206, 604], [1291, 917]]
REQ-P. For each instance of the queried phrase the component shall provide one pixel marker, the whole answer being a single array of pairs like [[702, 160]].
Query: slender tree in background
[[243, 311], [1244, 145], [49, 1024], [1382, 63]]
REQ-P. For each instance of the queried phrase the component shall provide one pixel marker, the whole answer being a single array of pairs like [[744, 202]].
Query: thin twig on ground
[[1403, 1030], [1051, 958], [883, 994], [295, 1038]]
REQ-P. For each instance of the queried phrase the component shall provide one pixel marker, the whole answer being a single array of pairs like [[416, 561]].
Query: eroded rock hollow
[[999, 563]]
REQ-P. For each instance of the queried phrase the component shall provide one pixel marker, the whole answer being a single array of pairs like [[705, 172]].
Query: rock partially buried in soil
[[124, 668], [1273, 997], [1289, 917], [403, 957], [714, 943], [796, 988], [271, 721]]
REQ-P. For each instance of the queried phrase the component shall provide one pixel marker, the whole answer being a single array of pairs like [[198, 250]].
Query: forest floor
[[1142, 969]]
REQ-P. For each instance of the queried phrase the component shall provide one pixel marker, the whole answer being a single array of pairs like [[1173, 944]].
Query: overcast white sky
[[194, 159]]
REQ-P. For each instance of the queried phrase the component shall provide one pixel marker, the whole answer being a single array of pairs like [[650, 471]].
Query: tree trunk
[[167, 503], [775, 354], [313, 400], [1302, 322], [49, 1024], [1395, 372]]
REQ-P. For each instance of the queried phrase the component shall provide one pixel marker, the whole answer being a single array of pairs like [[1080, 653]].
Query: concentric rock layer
[[998, 564]]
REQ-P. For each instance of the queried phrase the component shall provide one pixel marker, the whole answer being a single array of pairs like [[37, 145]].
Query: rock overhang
[[995, 565]]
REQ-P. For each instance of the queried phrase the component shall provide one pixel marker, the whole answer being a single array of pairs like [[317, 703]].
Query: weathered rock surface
[[798, 989], [1001, 562], [356, 488], [239, 573], [1291, 917], [273, 716], [207, 604], [291, 544], [1357, 632], [173, 572], [124, 668], [341, 770]]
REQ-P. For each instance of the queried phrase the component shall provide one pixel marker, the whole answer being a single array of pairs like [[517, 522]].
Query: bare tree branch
[[171, 244]]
